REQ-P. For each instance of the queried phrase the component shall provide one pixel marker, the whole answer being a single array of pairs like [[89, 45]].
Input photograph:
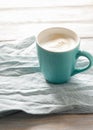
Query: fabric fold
[[23, 87]]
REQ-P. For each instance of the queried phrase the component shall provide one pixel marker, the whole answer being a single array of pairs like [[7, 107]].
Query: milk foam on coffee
[[58, 43]]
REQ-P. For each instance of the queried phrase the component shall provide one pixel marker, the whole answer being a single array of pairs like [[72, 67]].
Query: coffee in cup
[[58, 43], [58, 51]]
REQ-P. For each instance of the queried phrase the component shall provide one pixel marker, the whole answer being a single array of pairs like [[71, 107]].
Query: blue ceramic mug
[[58, 51]]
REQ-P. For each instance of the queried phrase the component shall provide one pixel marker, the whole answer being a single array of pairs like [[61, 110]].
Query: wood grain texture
[[54, 14], [43, 3], [22, 121], [21, 31], [20, 19]]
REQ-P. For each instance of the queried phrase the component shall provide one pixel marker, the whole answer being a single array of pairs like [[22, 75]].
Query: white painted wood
[[43, 3], [44, 15], [23, 18], [20, 31]]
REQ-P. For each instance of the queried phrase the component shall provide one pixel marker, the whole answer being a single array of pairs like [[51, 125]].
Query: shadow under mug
[[58, 67]]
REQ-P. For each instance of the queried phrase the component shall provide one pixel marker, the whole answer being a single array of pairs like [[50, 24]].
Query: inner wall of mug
[[46, 34]]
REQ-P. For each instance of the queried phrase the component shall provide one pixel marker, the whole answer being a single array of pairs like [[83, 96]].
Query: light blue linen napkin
[[23, 87]]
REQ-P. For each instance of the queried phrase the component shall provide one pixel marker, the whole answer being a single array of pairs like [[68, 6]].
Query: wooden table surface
[[22, 121], [21, 19]]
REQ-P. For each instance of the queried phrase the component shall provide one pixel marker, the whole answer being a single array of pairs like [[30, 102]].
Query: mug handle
[[88, 56]]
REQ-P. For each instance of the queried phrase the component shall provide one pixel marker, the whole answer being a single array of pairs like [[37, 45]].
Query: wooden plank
[[22, 121], [42, 3], [47, 15], [13, 31], [87, 45]]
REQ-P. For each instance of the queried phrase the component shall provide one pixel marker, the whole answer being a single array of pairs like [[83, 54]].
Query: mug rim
[[58, 28]]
